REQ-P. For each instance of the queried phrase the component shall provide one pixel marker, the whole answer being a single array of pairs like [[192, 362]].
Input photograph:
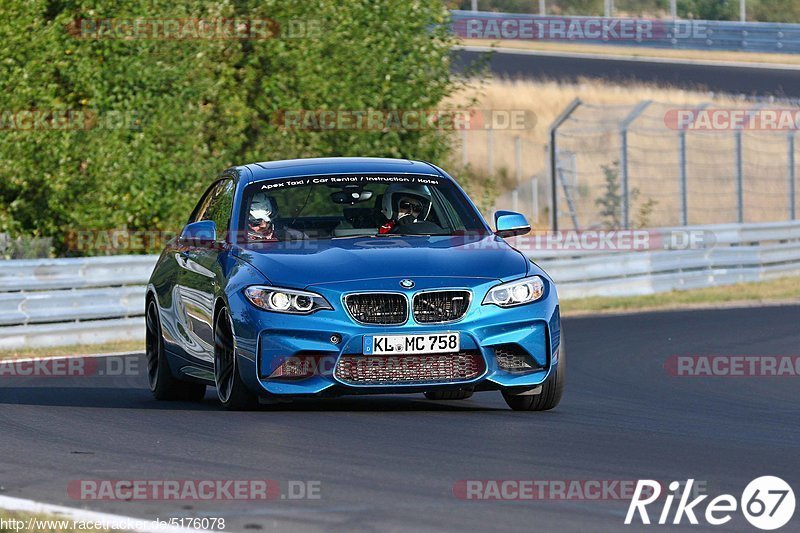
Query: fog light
[[296, 367]]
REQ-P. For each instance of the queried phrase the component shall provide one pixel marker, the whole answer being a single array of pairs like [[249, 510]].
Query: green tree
[[709, 9], [774, 10], [173, 113], [610, 203]]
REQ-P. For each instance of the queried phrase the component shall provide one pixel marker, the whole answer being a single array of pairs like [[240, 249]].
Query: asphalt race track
[[390, 463], [750, 81]]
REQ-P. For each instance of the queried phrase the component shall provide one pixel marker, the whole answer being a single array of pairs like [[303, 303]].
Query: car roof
[[338, 165]]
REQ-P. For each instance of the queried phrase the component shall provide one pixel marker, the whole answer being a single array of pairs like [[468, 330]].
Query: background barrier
[[60, 302], [679, 34]]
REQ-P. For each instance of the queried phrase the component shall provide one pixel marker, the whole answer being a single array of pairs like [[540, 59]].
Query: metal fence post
[[517, 170], [554, 158], [792, 179], [490, 151], [739, 178], [623, 159], [474, 5], [542, 7], [464, 154], [684, 193]]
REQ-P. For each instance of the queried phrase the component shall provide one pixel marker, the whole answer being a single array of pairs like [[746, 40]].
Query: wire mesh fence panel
[[589, 143], [766, 186], [651, 164], [711, 177]]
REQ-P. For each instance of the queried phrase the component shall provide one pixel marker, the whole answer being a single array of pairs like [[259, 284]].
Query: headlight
[[518, 292], [286, 300]]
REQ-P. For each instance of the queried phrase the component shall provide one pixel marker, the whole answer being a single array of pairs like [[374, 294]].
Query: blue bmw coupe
[[323, 277]]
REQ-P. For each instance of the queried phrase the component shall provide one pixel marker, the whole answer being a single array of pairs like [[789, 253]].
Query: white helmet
[[396, 191], [263, 207]]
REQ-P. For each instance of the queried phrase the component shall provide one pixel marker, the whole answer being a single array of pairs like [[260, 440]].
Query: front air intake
[[409, 369], [377, 308], [437, 307], [512, 358]]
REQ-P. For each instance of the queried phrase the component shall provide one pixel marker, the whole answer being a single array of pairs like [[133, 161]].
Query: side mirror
[[510, 224], [203, 233]]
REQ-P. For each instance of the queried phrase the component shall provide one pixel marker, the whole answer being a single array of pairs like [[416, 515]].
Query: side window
[[220, 206], [202, 205]]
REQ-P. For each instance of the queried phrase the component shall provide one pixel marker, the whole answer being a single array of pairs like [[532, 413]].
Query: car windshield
[[345, 206]]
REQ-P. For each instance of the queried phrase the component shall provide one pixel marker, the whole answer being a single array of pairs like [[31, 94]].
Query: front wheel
[[231, 390], [551, 393], [163, 384]]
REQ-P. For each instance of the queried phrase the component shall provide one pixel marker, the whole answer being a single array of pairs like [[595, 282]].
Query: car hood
[[303, 263]]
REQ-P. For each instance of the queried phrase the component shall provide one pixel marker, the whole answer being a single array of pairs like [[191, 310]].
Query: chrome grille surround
[[409, 369], [377, 308], [441, 306]]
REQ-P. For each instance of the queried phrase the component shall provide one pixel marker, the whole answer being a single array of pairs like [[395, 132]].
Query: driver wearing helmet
[[260, 227], [404, 205]]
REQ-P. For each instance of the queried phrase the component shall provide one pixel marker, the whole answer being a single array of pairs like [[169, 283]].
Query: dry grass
[[628, 51], [654, 148], [783, 291], [83, 349], [547, 99]]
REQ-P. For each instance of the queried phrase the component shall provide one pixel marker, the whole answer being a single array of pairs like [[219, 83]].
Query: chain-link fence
[[511, 166], [654, 164], [648, 164]]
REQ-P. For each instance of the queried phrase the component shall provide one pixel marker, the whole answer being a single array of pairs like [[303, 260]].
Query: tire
[[231, 390], [448, 394], [163, 385], [552, 389]]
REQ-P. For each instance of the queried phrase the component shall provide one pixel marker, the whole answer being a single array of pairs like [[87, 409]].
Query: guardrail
[[734, 253], [680, 34], [61, 302]]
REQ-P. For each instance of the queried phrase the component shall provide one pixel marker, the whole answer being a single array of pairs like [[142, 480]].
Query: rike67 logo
[[767, 503]]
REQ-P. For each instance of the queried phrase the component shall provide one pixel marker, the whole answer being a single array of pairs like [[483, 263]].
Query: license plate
[[411, 344]]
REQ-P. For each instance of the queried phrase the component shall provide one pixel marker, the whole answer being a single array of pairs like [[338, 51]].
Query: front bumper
[[266, 340]]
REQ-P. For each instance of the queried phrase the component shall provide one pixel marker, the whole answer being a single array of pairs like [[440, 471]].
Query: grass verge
[[783, 290], [633, 52], [83, 349]]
